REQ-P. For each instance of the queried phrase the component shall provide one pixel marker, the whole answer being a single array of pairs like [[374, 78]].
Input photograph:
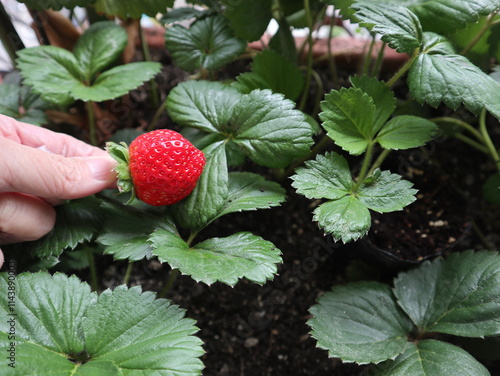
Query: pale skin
[[40, 169]]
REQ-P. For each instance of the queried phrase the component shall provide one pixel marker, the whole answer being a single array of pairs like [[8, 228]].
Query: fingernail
[[101, 168]]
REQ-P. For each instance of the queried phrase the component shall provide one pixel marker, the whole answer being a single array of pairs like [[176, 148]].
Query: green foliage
[[219, 259], [208, 43], [56, 4], [261, 124], [368, 322], [272, 71], [65, 328], [346, 215], [19, 101], [249, 20], [61, 77]]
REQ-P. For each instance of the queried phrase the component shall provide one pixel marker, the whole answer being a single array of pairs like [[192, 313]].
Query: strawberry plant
[[201, 151], [405, 329]]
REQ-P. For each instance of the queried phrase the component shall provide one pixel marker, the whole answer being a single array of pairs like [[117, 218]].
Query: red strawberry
[[164, 167]]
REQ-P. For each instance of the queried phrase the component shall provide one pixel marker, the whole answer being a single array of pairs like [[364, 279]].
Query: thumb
[[38, 173]]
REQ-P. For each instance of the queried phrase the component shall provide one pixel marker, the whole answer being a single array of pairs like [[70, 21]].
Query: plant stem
[[92, 126], [94, 284], [156, 117], [487, 139], [319, 92], [478, 36], [363, 173], [128, 272], [474, 144], [331, 61], [382, 156], [460, 123], [172, 276], [368, 57], [155, 95], [405, 68], [309, 55], [378, 62]]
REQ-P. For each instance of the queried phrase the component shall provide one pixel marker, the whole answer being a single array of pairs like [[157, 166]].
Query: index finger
[[54, 142]]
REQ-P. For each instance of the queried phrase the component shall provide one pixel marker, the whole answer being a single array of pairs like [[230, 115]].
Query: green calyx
[[120, 153]]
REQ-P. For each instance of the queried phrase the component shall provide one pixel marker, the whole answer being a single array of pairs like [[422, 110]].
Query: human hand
[[38, 169]]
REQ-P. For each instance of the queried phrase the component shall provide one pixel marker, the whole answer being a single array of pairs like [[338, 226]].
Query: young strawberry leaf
[[261, 124], [491, 189], [382, 96], [241, 255], [429, 358], [117, 81], [209, 43], [52, 72], [347, 219], [360, 322], [406, 132], [328, 176], [445, 16], [471, 310], [346, 125], [208, 197], [249, 20], [132, 8], [272, 71], [399, 27], [76, 222], [62, 327], [386, 192], [249, 191], [100, 45], [438, 75]]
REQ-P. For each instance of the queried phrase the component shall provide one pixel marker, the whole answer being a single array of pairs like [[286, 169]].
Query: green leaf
[[458, 296], [117, 81], [283, 41], [52, 72], [491, 189], [209, 43], [56, 4], [406, 132], [269, 129], [133, 8], [347, 219], [9, 99], [62, 328], [438, 75], [272, 71], [76, 222], [241, 255], [125, 233], [430, 358], [445, 16], [349, 127], [328, 176], [360, 322], [49, 310], [209, 196], [100, 45], [399, 27], [265, 126], [382, 96], [248, 19], [249, 191], [204, 105], [386, 192]]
